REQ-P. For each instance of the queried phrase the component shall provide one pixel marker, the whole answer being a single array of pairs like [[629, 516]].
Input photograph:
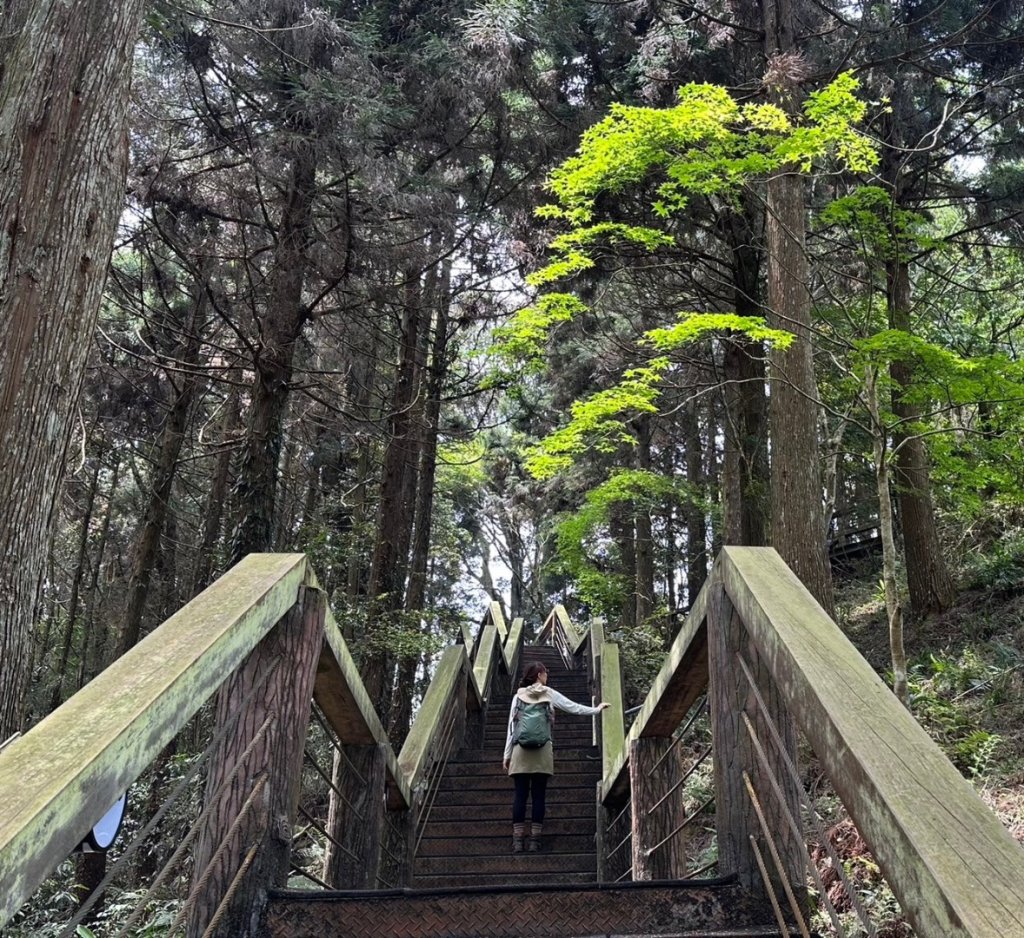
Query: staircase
[[468, 838], [466, 882]]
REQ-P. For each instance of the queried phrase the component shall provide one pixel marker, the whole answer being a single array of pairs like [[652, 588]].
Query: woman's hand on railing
[[603, 705]]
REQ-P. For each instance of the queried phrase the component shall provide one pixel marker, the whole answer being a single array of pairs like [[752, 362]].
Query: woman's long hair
[[530, 673]]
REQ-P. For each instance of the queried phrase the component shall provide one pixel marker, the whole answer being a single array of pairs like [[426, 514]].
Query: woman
[[531, 763]]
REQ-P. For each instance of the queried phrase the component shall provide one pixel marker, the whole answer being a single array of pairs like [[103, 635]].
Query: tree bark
[[893, 605], [798, 529], [76, 584], [746, 514], [65, 70], [928, 578], [280, 328], [165, 467]]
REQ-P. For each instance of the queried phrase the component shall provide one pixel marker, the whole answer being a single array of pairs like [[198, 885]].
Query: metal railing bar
[[776, 859], [332, 786], [621, 877], [307, 875], [179, 789], [432, 787], [385, 850], [703, 869], [682, 781], [697, 712], [315, 824], [236, 881], [682, 826], [625, 840], [385, 883], [805, 800], [780, 919], [762, 758], [338, 745], [618, 817]]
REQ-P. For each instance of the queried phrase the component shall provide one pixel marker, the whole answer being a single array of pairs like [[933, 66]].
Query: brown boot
[[535, 831], [517, 837]]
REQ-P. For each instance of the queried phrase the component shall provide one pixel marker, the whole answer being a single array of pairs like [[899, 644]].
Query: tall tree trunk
[[893, 606], [746, 479], [644, 543], [64, 73], [165, 467], [798, 529], [928, 579], [89, 637], [76, 583], [214, 513], [395, 510], [280, 328], [416, 593], [696, 522]]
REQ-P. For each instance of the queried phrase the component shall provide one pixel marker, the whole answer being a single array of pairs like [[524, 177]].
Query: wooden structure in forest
[[262, 645]]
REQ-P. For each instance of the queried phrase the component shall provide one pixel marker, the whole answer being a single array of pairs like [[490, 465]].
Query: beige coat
[[542, 760]]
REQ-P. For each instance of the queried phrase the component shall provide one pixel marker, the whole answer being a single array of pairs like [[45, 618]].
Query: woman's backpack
[[532, 725]]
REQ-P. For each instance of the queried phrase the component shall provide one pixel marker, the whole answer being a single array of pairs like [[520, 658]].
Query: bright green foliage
[[885, 230], [582, 535], [707, 144], [598, 421], [522, 339], [695, 326]]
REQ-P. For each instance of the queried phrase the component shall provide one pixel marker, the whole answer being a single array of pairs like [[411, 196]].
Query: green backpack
[[533, 725]]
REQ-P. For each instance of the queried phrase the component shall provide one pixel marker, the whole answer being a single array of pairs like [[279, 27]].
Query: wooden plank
[[485, 661], [954, 868], [415, 753], [341, 695], [573, 635], [244, 758], [512, 648], [498, 619], [62, 776], [612, 723], [681, 680]]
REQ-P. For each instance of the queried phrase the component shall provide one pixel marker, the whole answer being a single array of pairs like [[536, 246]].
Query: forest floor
[[966, 674], [967, 691]]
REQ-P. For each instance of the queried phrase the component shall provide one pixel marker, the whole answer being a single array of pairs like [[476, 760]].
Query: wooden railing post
[[355, 819], [658, 846], [252, 787], [736, 760]]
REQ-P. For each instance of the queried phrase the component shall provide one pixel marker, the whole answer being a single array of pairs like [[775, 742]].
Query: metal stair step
[[511, 907]]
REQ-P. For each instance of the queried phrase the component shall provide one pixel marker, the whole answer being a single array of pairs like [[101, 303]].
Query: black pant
[[534, 784]]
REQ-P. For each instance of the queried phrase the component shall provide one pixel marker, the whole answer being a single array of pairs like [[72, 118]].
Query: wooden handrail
[[954, 868], [683, 677], [62, 776], [952, 865], [58, 779], [415, 756]]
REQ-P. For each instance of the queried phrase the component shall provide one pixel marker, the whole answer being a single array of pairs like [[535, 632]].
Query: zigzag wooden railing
[[261, 644], [778, 665]]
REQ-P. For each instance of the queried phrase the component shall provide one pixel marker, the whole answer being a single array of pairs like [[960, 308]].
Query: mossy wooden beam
[[497, 618], [467, 640], [59, 779], [612, 719], [486, 659], [415, 755], [341, 695], [574, 636], [682, 679], [953, 866], [512, 647]]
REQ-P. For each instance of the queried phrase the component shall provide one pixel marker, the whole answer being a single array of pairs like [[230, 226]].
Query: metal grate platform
[[685, 910]]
